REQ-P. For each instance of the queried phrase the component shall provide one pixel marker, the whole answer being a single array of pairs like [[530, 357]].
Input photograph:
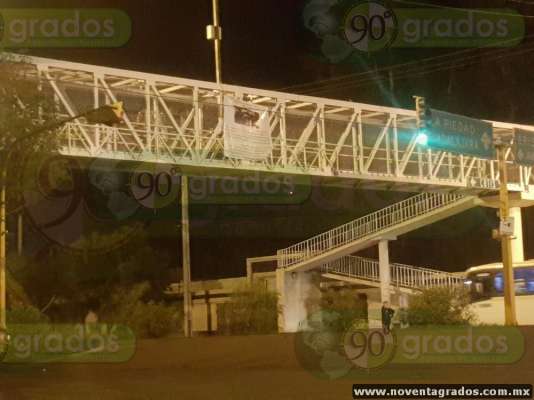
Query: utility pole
[[213, 32], [20, 233], [505, 238], [186, 259], [3, 234]]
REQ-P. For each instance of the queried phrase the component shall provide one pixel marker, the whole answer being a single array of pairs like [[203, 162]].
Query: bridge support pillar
[[384, 270], [518, 253], [294, 289]]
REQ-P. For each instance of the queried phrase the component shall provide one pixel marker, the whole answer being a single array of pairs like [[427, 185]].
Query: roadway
[[249, 367]]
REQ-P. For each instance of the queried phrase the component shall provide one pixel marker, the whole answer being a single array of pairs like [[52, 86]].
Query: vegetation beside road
[[439, 306], [251, 310]]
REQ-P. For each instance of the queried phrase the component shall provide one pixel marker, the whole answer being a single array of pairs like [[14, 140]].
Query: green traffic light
[[422, 138]]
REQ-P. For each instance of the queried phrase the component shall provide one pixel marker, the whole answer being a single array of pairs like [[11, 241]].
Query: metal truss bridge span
[[178, 121]]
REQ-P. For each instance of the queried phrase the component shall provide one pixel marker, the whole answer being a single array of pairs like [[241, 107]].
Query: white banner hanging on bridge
[[247, 133]]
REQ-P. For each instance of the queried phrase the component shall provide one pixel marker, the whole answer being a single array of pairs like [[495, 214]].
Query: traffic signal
[[422, 117], [117, 110], [109, 114]]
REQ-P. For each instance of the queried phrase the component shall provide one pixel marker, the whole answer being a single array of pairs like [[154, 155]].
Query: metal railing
[[401, 275], [377, 221], [172, 120]]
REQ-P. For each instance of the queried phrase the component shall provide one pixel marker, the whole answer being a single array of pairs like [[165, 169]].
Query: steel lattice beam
[[176, 121]]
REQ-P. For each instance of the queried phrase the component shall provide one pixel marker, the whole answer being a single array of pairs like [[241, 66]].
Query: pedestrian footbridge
[[387, 223], [178, 121], [175, 121], [366, 272], [332, 253], [405, 280]]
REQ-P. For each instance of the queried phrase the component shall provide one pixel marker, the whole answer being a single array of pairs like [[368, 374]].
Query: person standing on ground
[[387, 316]]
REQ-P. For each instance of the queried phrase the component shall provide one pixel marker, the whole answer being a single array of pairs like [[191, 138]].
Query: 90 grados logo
[[345, 28], [370, 26]]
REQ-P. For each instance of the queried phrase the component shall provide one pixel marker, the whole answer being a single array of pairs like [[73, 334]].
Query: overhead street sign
[[524, 146], [460, 134]]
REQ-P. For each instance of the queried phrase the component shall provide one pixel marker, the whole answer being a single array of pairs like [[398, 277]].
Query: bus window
[[498, 283], [530, 280], [524, 281], [481, 286]]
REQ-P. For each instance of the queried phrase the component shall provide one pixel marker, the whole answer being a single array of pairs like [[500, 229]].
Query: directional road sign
[[460, 134], [524, 146]]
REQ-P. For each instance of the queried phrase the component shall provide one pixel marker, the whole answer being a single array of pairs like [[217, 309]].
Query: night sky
[[265, 45]]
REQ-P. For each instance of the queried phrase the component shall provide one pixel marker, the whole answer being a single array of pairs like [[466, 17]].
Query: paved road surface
[[251, 367]]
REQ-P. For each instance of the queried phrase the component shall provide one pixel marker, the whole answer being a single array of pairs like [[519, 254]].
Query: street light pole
[[217, 37], [3, 233], [20, 233], [213, 32], [186, 259], [506, 240]]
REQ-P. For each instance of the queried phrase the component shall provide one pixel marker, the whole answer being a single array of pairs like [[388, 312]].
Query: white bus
[[486, 286]]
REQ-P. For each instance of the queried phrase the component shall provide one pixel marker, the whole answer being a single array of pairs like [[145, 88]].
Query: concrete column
[[294, 288], [384, 270], [403, 300], [280, 289], [250, 276], [518, 253]]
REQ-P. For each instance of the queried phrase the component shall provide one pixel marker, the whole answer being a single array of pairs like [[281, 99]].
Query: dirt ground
[[246, 367]]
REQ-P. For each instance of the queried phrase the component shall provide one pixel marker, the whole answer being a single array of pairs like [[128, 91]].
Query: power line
[[436, 67], [357, 74], [501, 51], [398, 66], [425, 71], [427, 59]]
